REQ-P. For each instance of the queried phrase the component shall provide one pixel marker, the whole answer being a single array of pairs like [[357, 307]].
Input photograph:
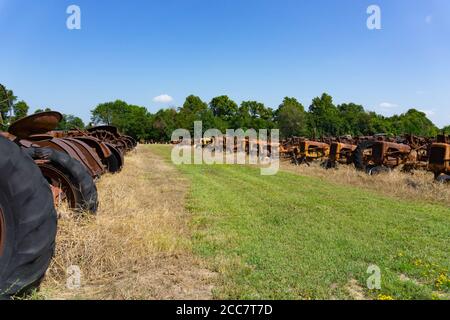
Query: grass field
[[301, 237]]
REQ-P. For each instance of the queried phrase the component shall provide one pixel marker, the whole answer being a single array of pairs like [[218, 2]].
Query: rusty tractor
[[439, 160], [309, 151], [340, 153], [375, 156], [287, 146]]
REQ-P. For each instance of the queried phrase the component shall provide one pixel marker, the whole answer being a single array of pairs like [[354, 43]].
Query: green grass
[[294, 237]]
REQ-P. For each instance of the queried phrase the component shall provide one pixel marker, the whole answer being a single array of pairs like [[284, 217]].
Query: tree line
[[322, 118]]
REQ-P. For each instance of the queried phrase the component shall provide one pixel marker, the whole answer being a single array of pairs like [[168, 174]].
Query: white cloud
[[429, 19], [388, 105], [164, 98]]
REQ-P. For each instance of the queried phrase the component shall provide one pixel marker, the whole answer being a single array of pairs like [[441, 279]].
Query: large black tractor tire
[[117, 155], [358, 155], [85, 191], [113, 164], [28, 222]]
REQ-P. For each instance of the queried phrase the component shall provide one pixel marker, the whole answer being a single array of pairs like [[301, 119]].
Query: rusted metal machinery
[[40, 168], [69, 166], [379, 153], [110, 154], [111, 135], [341, 152], [439, 162], [309, 151], [71, 160], [375, 156], [287, 146], [420, 154]]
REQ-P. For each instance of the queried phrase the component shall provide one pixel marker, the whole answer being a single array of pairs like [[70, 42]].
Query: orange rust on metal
[[78, 150], [59, 182], [341, 152], [35, 124], [102, 150], [95, 163], [7, 135], [439, 162], [58, 195], [110, 129], [39, 161], [313, 149], [111, 135], [389, 154]]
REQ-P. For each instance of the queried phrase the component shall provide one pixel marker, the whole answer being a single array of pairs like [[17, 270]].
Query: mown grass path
[[294, 237]]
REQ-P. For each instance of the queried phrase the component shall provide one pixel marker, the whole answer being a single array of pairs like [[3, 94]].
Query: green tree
[[129, 119], [223, 107], [259, 117], [292, 118], [163, 124], [7, 98], [354, 119], [43, 110], [414, 122], [446, 130], [378, 124], [70, 122], [242, 120], [136, 122], [20, 110], [324, 117], [194, 109], [109, 113]]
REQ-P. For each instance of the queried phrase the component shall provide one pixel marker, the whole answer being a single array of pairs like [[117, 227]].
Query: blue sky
[[248, 49]]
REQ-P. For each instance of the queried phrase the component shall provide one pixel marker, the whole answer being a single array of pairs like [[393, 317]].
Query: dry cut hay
[[138, 247]]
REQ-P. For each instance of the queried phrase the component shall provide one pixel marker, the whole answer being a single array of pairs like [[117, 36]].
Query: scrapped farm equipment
[[71, 160], [309, 151], [340, 153], [373, 154], [378, 155], [439, 162], [288, 146], [41, 168]]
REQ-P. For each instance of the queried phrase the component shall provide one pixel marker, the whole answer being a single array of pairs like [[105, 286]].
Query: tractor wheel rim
[[61, 187], [2, 231]]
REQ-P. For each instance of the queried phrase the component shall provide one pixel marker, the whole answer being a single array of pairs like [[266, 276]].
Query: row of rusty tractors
[[40, 169], [374, 154]]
